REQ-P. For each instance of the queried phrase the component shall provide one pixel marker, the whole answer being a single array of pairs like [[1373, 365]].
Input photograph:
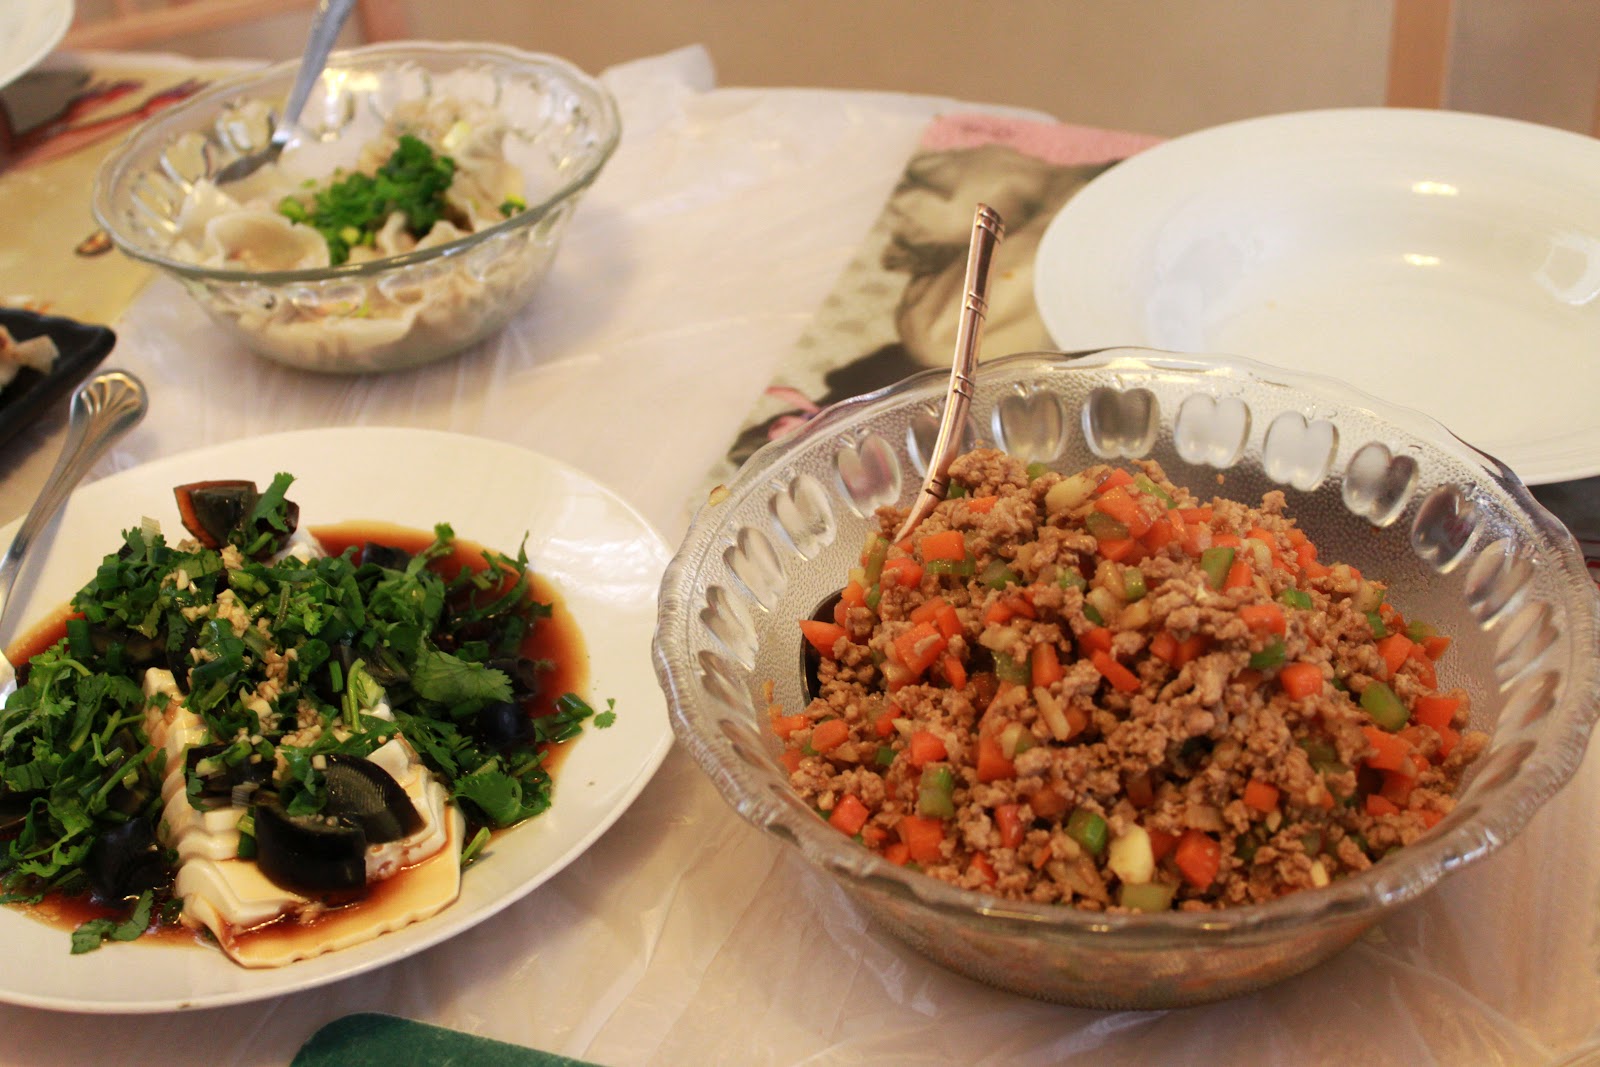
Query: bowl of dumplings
[[418, 203]]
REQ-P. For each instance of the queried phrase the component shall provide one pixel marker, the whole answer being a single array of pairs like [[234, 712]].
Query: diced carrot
[[1160, 535], [829, 735], [982, 504], [1447, 742], [1250, 678], [1095, 639], [1430, 818], [1389, 753], [790, 758], [1381, 805], [1263, 796], [919, 647], [904, 570], [1264, 618], [1239, 575], [897, 853], [1422, 666], [849, 815], [873, 836], [992, 763], [1434, 710], [1394, 650], [946, 544], [1200, 515], [1397, 787], [1118, 549], [784, 725], [1296, 537], [1118, 504], [1138, 789], [823, 635], [922, 837], [985, 870], [1436, 646], [1042, 856], [1008, 821], [1047, 802], [1227, 540], [924, 747], [1164, 646], [1115, 480], [1199, 858], [1120, 677], [883, 725], [1190, 648], [941, 613], [1300, 680], [1046, 665], [854, 594], [1161, 843], [954, 671]]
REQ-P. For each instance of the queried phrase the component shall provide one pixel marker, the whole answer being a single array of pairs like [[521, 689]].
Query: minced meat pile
[[1095, 689]]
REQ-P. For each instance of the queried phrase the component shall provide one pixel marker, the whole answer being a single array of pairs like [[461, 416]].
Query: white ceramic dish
[[600, 555], [1444, 261], [29, 29]]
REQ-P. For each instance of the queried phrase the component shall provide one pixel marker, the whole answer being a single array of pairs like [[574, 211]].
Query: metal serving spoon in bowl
[[103, 409], [325, 26], [987, 232]]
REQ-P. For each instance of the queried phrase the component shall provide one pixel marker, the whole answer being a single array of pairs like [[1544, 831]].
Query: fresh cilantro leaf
[[447, 679]]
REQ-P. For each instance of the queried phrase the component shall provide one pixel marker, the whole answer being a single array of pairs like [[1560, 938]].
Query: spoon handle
[[325, 26], [987, 232], [103, 409]]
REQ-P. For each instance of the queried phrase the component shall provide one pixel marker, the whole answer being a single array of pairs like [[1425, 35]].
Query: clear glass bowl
[[563, 127], [1384, 488]]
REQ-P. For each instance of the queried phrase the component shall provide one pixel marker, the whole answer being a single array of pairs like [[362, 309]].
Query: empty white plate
[[1445, 261]]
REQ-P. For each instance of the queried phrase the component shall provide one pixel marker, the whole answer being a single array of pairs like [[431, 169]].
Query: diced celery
[[1071, 579], [1103, 527], [1035, 469], [1143, 483], [955, 492], [997, 574], [1088, 829], [960, 568], [885, 755], [1420, 631], [1133, 587], [1379, 701], [1092, 613], [935, 793], [1146, 896], [1379, 630], [1216, 562], [877, 552], [1010, 670]]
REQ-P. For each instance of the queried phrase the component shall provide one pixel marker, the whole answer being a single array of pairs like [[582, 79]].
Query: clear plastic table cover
[[684, 936]]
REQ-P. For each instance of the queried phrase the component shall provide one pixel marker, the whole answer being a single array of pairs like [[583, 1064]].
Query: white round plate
[[602, 558], [28, 30], [1444, 261]]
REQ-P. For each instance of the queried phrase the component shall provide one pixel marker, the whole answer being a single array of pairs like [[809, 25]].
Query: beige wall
[[1161, 66]]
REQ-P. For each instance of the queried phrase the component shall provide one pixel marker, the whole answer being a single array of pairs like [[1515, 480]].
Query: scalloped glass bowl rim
[[173, 119], [1386, 885]]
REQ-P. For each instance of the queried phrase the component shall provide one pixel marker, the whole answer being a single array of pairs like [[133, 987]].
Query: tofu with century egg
[[259, 923]]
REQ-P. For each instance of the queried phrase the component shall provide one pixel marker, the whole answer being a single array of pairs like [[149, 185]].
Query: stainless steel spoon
[[325, 26], [103, 409]]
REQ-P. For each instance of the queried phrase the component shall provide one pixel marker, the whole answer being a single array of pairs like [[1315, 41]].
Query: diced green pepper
[[1216, 562], [1010, 670], [955, 492], [997, 574], [885, 755], [1146, 896], [1103, 527], [1071, 579], [1296, 598], [1270, 656], [1379, 701], [1088, 829], [874, 596], [960, 568], [1035, 469], [1379, 630], [1420, 631], [1133, 587], [1143, 483], [935, 793], [1092, 613], [877, 553]]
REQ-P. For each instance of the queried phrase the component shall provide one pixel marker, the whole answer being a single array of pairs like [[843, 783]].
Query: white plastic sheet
[[684, 936]]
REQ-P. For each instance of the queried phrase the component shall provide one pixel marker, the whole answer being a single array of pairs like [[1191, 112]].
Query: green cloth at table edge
[[370, 1038]]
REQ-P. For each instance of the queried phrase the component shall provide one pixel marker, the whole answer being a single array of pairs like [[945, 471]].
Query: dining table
[[717, 239]]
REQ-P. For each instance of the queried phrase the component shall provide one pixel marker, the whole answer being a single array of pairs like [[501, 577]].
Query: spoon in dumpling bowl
[[103, 409], [987, 232], [325, 26]]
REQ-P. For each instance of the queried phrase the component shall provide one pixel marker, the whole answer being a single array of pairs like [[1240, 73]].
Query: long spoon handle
[[103, 409], [987, 232]]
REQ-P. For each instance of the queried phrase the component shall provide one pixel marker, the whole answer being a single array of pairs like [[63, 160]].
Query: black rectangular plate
[[81, 347]]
